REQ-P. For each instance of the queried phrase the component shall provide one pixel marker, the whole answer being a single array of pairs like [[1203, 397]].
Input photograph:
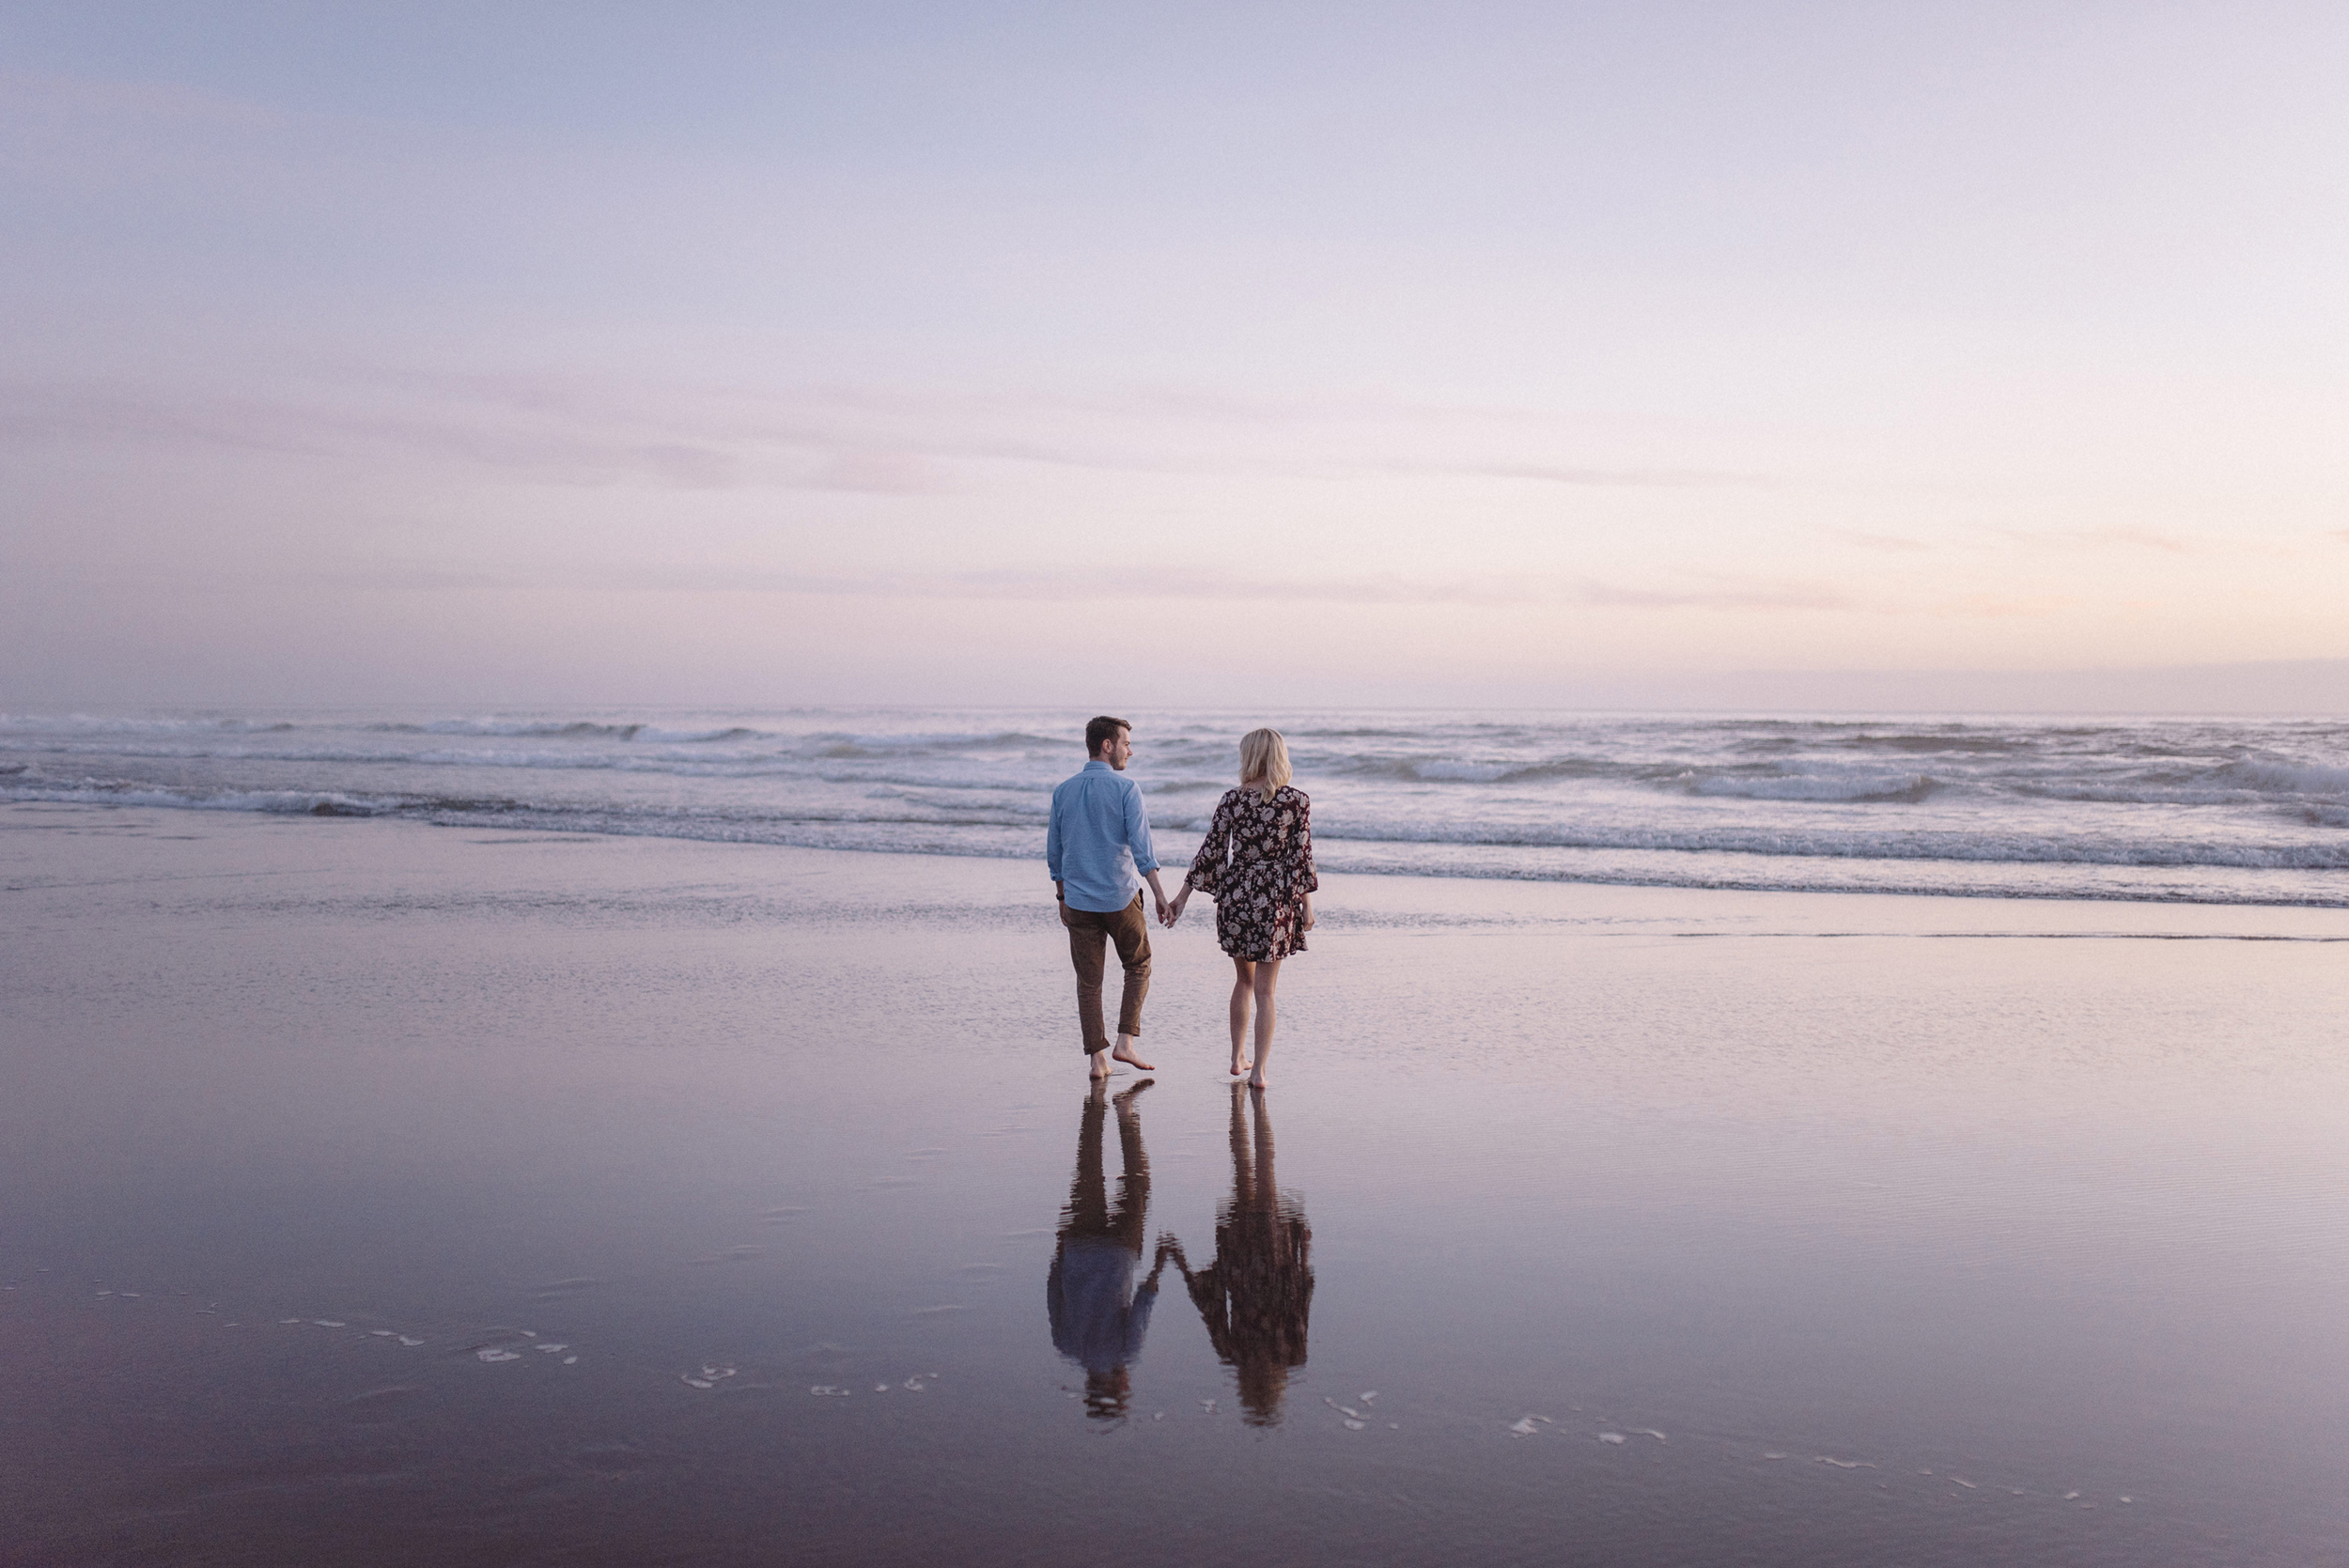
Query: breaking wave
[[2231, 809]]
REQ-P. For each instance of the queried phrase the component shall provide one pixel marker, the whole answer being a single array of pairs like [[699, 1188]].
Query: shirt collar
[[1093, 762]]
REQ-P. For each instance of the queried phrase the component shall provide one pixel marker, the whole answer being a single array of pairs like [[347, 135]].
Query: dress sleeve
[[1206, 867], [1307, 880]]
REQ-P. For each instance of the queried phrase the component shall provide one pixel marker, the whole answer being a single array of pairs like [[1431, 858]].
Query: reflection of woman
[[1257, 1295], [1257, 863], [1098, 1318]]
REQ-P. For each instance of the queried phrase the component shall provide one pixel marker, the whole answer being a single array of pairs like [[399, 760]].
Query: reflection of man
[[1098, 1318], [1096, 845]]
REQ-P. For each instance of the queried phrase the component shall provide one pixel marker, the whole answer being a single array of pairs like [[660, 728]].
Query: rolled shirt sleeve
[[1138, 831]]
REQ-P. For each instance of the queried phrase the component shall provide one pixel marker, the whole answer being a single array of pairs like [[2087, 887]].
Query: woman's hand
[[1309, 914], [1174, 910]]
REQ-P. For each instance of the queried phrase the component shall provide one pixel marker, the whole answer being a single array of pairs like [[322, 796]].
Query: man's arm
[[1146, 852], [1052, 846]]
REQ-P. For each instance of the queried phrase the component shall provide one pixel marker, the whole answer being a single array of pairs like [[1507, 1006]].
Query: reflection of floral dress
[[1257, 1297], [1257, 863]]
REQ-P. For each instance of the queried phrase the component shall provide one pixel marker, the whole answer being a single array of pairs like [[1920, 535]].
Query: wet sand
[[383, 1193]]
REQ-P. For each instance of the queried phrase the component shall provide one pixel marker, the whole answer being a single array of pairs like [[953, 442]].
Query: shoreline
[[1373, 899]]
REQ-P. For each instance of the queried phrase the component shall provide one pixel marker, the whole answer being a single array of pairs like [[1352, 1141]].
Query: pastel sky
[[765, 353]]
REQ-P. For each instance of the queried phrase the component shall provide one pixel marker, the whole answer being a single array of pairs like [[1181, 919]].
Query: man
[[1097, 845]]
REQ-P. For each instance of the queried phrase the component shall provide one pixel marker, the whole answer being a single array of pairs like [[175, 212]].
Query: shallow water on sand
[[385, 1193]]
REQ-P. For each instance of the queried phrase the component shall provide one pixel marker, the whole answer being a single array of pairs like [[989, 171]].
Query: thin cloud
[[86, 134], [1139, 582], [1714, 593], [878, 473], [1730, 596], [35, 103], [1639, 477], [423, 580], [31, 413], [1891, 544], [590, 431], [1999, 607], [2099, 538]]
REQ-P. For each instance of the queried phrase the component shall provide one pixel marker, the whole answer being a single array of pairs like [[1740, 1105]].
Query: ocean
[[2209, 810]]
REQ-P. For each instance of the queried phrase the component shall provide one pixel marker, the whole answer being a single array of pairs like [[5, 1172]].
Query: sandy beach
[[391, 1193]]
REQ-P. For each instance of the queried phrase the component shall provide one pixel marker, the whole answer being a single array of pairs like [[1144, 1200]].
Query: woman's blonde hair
[[1264, 761]]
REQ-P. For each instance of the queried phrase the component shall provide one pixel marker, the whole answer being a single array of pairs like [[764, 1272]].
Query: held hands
[[1170, 913]]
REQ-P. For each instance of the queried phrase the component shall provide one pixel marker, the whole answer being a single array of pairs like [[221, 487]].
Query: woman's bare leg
[[1243, 979], [1266, 976]]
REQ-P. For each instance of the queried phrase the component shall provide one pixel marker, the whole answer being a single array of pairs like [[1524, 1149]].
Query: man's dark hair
[[1100, 732]]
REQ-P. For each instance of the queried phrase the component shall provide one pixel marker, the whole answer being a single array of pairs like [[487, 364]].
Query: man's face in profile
[[1119, 750]]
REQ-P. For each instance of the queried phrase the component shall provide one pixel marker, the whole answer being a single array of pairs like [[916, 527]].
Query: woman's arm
[[1206, 867], [1308, 880]]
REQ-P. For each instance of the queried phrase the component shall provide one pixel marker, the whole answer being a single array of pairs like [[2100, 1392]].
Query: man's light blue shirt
[[1098, 842]]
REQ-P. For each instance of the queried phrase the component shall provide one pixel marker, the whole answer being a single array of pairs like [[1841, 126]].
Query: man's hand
[[1166, 911], [1170, 913]]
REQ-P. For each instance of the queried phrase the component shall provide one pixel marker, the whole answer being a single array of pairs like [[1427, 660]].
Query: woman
[[1257, 863]]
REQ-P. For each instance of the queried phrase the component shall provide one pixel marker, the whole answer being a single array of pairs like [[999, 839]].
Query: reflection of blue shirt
[[1098, 842], [1098, 1318]]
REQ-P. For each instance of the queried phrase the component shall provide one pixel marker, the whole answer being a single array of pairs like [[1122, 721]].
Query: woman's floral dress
[[1257, 863]]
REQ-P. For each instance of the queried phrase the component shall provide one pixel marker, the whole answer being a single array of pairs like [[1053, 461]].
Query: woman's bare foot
[[1239, 1064], [1257, 1081]]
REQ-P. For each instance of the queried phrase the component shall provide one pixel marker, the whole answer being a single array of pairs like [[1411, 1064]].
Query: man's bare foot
[[1125, 1054], [1100, 1068]]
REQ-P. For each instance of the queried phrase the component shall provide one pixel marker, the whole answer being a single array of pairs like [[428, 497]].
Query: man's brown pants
[[1088, 930]]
